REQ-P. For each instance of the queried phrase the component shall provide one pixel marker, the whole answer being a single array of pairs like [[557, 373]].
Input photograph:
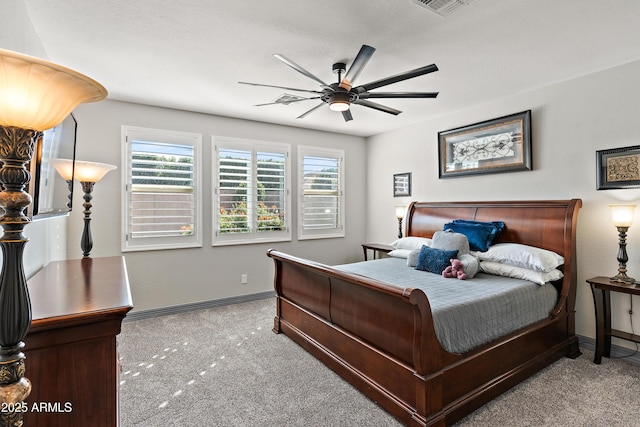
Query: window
[[162, 197], [321, 193], [251, 191]]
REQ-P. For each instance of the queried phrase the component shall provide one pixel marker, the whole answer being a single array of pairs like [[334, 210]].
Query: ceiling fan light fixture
[[339, 105], [339, 101]]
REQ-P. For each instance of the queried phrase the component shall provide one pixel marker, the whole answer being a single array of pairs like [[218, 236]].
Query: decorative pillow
[[449, 240], [412, 259], [539, 277], [524, 256], [399, 253], [480, 234], [470, 264], [499, 225], [434, 260], [411, 242]]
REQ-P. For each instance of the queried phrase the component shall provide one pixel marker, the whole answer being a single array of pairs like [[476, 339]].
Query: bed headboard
[[548, 224]]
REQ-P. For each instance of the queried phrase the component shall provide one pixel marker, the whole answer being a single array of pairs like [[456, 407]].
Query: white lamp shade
[[622, 215], [91, 171], [37, 94], [400, 212], [64, 167]]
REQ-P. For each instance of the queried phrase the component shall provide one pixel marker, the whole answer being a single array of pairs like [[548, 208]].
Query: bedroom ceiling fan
[[341, 95]]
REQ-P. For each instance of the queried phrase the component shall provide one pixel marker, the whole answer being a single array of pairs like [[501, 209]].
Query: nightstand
[[601, 287], [376, 248]]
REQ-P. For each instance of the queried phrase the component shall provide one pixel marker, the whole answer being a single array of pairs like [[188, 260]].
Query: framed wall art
[[402, 185], [498, 145], [618, 168]]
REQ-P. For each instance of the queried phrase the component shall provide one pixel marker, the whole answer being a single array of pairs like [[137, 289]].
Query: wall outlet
[[244, 279]]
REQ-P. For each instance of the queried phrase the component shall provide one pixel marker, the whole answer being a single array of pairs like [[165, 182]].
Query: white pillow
[[411, 243], [524, 256], [539, 277], [399, 253]]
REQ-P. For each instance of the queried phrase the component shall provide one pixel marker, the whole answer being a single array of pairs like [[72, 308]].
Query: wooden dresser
[[72, 362]]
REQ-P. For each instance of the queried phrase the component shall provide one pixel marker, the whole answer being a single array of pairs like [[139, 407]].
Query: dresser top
[[79, 291]]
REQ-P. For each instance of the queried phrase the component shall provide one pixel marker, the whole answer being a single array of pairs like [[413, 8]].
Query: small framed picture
[[402, 184], [618, 168]]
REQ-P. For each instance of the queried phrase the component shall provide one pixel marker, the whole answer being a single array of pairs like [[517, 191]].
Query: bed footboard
[[385, 344]]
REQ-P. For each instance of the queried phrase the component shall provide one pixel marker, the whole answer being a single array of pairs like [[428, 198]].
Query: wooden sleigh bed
[[382, 340]]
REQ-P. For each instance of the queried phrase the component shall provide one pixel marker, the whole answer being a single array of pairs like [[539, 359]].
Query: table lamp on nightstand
[[622, 217], [400, 212]]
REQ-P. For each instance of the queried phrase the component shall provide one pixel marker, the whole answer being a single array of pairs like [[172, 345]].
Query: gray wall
[[571, 120], [170, 277]]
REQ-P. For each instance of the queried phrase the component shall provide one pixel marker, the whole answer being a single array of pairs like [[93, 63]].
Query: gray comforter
[[467, 313]]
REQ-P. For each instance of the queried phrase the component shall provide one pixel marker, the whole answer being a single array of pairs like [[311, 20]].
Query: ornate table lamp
[[622, 217], [35, 95], [88, 173], [400, 212]]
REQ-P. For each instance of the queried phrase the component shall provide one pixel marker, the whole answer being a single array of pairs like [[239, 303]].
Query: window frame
[[129, 133], [254, 146], [339, 154]]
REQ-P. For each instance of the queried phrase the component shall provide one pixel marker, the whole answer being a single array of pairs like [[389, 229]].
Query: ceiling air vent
[[442, 7]]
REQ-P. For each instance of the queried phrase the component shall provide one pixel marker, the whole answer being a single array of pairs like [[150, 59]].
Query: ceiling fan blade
[[364, 55], [368, 95], [303, 115], [347, 115], [377, 106], [281, 87], [299, 69], [286, 103], [398, 77]]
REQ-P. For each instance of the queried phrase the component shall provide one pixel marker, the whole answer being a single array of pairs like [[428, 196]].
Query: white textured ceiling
[[191, 54]]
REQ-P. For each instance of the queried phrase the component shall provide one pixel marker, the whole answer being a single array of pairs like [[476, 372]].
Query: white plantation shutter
[[234, 190], [272, 191], [251, 195], [321, 190], [162, 198]]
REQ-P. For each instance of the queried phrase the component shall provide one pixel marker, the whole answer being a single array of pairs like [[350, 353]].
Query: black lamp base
[[622, 277]]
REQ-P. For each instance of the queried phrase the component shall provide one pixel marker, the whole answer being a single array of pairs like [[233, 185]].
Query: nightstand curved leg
[[599, 302]]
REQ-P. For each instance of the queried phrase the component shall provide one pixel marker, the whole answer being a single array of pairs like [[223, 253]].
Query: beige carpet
[[225, 367]]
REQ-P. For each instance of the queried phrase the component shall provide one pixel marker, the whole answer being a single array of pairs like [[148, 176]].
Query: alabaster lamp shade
[[37, 94], [622, 215], [64, 167], [91, 171]]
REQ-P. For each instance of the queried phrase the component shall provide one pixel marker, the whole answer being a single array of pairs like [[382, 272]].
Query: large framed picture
[[493, 146], [618, 168], [402, 185]]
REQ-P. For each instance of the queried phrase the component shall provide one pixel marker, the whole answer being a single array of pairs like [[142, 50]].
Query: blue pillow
[[434, 260], [480, 234]]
